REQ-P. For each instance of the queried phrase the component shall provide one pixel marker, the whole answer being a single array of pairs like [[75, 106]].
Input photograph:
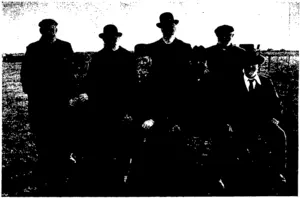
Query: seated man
[[260, 141]]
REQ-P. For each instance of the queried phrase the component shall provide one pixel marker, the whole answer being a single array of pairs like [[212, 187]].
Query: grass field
[[18, 148]]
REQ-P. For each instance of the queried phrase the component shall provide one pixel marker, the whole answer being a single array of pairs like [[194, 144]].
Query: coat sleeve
[[69, 63], [26, 71], [275, 103]]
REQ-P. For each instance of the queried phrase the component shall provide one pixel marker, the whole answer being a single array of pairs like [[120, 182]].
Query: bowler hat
[[166, 18], [253, 57], [47, 23], [111, 30], [223, 29]]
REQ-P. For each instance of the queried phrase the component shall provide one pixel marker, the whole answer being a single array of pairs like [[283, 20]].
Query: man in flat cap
[[110, 83], [165, 102], [223, 63], [261, 143], [45, 78]]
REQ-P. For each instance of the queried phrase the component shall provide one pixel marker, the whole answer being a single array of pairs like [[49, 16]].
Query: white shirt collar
[[256, 80], [170, 41], [115, 48]]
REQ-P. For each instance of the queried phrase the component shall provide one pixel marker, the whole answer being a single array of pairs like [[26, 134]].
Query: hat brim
[[160, 25], [102, 35], [258, 59]]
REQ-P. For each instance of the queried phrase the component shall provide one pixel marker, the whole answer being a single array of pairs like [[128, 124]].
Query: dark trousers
[[257, 160], [48, 122]]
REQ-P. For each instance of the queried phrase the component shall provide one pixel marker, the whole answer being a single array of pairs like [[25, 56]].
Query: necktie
[[251, 85]]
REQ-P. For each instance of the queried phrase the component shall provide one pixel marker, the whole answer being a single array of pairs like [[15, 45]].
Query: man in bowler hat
[[45, 78], [165, 92], [110, 84]]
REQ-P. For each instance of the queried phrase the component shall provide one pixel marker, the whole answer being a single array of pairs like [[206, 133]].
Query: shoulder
[[155, 43], [265, 80], [63, 43], [159, 41], [33, 45], [238, 49], [95, 55], [212, 48], [123, 50], [182, 43]]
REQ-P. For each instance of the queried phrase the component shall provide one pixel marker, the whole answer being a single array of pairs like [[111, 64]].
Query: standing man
[[223, 64], [166, 104], [110, 87], [45, 77]]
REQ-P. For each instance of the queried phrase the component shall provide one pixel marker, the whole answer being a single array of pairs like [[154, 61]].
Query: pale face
[[251, 70], [49, 31], [225, 38], [110, 41], [168, 30]]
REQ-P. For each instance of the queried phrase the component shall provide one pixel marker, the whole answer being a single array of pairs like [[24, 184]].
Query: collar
[[224, 47], [170, 41], [48, 41], [256, 78], [115, 48]]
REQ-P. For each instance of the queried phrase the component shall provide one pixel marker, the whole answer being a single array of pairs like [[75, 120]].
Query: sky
[[270, 23]]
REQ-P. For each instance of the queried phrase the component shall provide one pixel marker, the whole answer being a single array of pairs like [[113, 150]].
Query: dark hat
[[223, 29], [166, 18], [47, 23], [253, 56], [140, 49], [110, 29]]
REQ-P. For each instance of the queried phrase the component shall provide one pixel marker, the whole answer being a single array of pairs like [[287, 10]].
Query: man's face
[[251, 70], [225, 38], [110, 41], [49, 31], [168, 30]]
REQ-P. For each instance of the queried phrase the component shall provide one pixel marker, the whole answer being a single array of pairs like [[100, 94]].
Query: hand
[[175, 128], [73, 158], [148, 124], [127, 118], [206, 71], [73, 101], [230, 128], [83, 97], [274, 121]]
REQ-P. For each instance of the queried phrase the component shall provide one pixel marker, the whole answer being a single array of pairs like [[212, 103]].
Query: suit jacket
[[254, 109], [225, 66], [46, 71], [110, 81], [165, 91], [225, 63]]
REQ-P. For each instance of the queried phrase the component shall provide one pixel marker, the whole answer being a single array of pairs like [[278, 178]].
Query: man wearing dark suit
[[46, 77], [165, 104], [217, 67], [224, 63], [109, 86], [255, 111]]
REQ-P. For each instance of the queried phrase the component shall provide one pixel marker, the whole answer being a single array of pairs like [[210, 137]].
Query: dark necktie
[[251, 85]]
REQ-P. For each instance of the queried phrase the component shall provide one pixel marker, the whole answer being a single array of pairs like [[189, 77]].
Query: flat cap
[[47, 22], [224, 29]]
